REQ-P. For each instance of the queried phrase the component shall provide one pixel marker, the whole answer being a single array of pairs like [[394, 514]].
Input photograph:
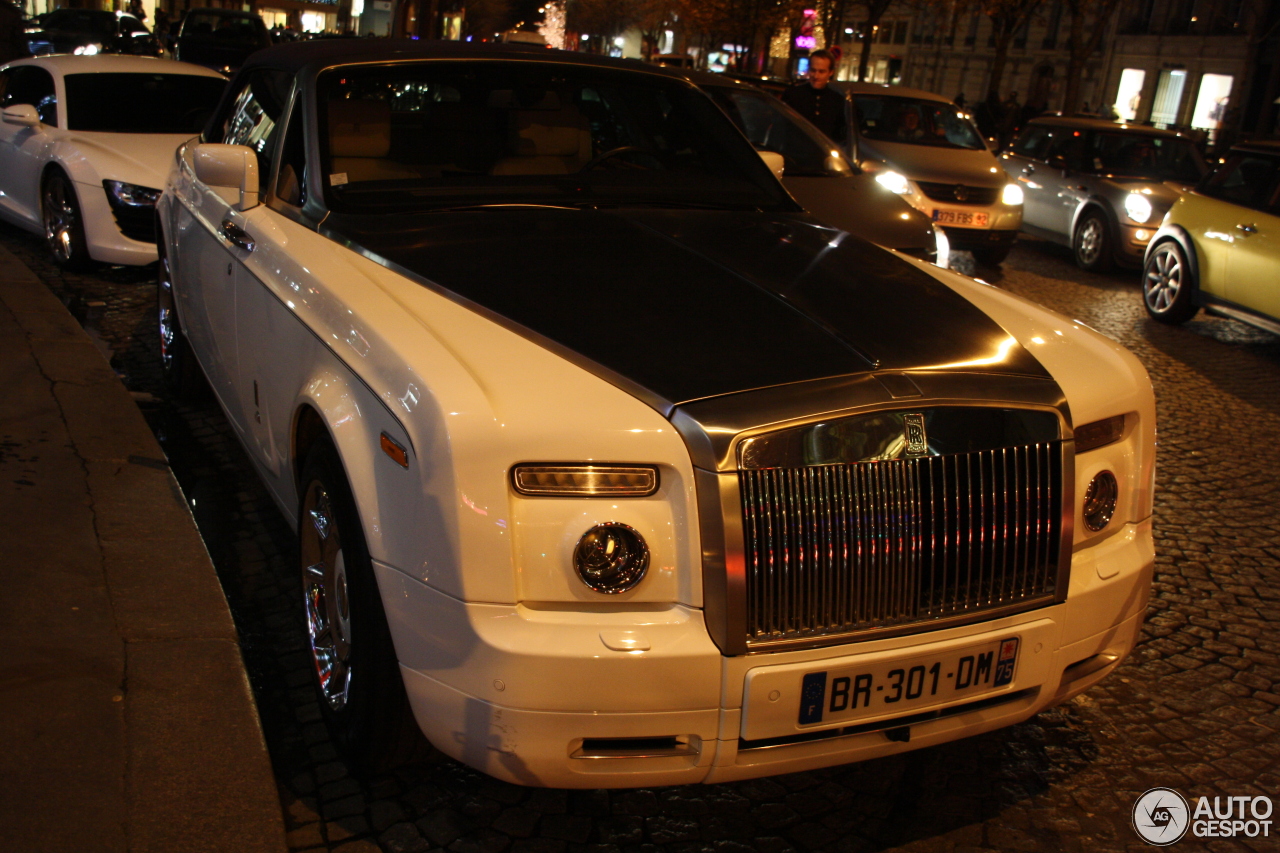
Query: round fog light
[[1100, 501], [611, 558]]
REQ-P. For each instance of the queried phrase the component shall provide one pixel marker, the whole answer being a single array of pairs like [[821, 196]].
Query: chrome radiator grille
[[846, 548]]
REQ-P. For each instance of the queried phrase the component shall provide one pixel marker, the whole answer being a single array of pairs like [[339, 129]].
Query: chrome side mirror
[[22, 114], [775, 162], [231, 171]]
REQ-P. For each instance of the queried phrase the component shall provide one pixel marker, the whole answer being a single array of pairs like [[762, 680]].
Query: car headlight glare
[[1100, 501], [87, 50], [1012, 194], [1138, 207], [893, 181], [611, 558], [584, 481], [121, 194]]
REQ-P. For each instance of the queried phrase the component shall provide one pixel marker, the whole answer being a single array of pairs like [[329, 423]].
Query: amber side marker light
[[1099, 433], [395, 451], [586, 481]]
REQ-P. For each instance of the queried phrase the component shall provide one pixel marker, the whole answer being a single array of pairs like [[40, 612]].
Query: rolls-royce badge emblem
[[962, 193], [913, 428]]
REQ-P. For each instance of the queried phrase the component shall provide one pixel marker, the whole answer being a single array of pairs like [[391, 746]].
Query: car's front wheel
[[1092, 243], [992, 257], [63, 223], [1168, 285], [357, 676]]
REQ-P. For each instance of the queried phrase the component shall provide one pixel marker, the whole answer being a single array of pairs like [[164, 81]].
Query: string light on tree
[[552, 26]]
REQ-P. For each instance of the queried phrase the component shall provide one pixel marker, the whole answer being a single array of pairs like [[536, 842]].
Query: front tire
[[1168, 285], [357, 676], [64, 223], [1092, 243], [992, 257]]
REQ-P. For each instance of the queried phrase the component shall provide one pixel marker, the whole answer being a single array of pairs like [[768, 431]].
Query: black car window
[[1251, 180], [30, 84], [1034, 142], [291, 182], [437, 134], [141, 103], [1069, 145], [1138, 155], [772, 126], [255, 115]]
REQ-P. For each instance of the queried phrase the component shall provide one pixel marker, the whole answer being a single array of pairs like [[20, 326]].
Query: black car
[[220, 39], [90, 31]]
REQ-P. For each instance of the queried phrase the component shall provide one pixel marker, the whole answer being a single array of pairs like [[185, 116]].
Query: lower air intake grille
[[847, 548]]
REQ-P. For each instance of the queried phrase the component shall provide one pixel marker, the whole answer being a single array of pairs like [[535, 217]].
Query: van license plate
[[900, 687], [960, 217]]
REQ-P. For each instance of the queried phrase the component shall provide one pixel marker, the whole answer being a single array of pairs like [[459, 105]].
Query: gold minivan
[[928, 150]]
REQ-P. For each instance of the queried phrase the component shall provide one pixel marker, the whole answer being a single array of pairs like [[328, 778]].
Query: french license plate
[[892, 687], [960, 217]]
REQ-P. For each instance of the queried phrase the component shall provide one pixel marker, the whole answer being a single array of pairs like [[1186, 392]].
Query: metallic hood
[[680, 306], [935, 164]]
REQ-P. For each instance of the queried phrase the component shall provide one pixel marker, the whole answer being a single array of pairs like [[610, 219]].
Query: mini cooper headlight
[[611, 558], [1100, 500], [121, 194], [893, 181], [1012, 194], [585, 481], [1138, 207]]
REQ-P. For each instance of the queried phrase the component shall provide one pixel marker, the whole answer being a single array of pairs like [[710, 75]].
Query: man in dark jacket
[[13, 37], [815, 100]]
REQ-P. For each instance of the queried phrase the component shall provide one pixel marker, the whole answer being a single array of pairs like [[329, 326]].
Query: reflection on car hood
[[693, 304], [136, 158], [935, 164], [861, 206]]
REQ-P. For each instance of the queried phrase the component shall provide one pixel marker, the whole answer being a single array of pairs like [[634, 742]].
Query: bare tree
[[875, 11], [1096, 15], [1007, 18]]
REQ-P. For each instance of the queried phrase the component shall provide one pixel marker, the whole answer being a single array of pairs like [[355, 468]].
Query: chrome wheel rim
[[328, 605], [1163, 281], [168, 322], [1090, 242], [59, 219]]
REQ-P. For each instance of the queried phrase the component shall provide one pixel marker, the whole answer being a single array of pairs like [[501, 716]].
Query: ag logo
[[1161, 816]]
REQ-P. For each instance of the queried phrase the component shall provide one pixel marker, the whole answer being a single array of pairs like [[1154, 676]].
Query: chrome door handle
[[237, 235], [1248, 229]]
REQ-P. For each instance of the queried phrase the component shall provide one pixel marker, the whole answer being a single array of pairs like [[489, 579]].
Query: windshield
[[141, 103], [226, 29], [446, 134], [81, 21], [773, 126], [1162, 158], [915, 122]]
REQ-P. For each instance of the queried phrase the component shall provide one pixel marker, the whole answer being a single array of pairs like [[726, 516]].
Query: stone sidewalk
[[128, 718]]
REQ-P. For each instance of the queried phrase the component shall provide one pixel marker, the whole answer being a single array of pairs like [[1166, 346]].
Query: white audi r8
[[85, 143], [611, 466]]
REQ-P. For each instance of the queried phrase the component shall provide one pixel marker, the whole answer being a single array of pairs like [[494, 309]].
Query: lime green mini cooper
[[1219, 246]]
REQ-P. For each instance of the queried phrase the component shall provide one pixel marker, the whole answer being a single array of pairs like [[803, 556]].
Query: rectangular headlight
[[586, 481], [1099, 433]]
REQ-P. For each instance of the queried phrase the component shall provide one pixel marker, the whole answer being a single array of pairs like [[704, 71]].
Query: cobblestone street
[[1196, 708]]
